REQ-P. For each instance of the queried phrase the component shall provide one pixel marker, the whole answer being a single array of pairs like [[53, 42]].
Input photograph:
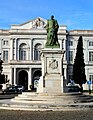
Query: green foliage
[[2, 76], [2, 79], [79, 76], [1, 68]]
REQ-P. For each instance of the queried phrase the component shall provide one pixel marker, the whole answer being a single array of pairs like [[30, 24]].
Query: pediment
[[38, 23]]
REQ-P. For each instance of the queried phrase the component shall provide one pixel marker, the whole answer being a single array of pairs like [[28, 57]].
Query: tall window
[[37, 52], [5, 56], [22, 55], [91, 78], [91, 56], [90, 43], [70, 57], [5, 42], [23, 52], [70, 43]]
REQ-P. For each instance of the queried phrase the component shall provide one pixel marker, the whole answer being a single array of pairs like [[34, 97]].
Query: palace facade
[[21, 46]]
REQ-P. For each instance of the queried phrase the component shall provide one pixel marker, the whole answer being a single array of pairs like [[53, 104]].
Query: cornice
[[80, 33]]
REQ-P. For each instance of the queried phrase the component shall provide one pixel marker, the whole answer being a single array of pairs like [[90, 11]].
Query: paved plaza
[[83, 113], [46, 115]]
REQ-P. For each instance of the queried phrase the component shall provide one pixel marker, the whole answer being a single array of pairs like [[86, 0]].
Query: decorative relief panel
[[38, 23], [53, 64]]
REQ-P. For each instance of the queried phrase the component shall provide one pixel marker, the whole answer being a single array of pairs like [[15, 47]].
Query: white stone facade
[[21, 45]]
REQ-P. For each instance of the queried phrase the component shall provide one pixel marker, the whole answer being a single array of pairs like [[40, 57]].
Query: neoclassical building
[[21, 46]]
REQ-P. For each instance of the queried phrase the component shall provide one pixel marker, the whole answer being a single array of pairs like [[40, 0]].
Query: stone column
[[61, 65], [15, 49], [64, 47], [11, 76], [14, 76], [30, 78], [33, 50], [18, 54], [43, 65], [30, 49], [87, 52], [11, 49], [65, 73]]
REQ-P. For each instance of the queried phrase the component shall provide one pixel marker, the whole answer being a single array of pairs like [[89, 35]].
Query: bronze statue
[[52, 29]]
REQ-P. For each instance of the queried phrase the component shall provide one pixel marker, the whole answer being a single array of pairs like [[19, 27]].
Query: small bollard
[[89, 91], [89, 88]]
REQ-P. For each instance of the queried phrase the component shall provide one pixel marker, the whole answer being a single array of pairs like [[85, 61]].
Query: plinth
[[52, 80]]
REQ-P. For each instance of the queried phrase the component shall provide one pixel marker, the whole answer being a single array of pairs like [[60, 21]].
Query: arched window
[[37, 50], [23, 52]]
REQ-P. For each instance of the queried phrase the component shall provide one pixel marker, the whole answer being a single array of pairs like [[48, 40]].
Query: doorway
[[23, 79]]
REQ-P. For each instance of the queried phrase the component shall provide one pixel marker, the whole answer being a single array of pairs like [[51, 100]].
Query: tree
[[79, 76], [1, 68], [2, 76]]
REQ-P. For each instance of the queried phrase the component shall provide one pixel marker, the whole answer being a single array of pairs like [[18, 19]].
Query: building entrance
[[23, 79]]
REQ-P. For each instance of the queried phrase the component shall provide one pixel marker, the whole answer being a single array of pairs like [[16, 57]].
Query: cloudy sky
[[76, 14]]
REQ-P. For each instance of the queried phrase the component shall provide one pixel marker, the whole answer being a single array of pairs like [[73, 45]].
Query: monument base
[[54, 84], [52, 80]]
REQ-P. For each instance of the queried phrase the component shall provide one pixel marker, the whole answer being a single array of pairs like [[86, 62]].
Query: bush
[[1, 87]]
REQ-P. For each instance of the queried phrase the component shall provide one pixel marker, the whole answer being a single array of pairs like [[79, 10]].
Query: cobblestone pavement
[[46, 115]]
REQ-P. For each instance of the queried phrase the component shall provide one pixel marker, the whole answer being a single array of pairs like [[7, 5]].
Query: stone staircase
[[42, 102], [44, 98]]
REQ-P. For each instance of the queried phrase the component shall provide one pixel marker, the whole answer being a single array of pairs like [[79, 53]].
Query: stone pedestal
[[52, 80]]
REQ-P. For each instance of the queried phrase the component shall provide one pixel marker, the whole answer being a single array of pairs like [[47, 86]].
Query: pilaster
[[11, 76], [15, 49], [14, 76], [11, 49], [30, 78]]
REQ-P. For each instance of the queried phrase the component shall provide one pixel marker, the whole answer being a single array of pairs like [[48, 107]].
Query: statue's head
[[52, 17]]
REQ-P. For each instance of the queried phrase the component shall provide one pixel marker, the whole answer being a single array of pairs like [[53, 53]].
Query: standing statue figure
[[52, 29]]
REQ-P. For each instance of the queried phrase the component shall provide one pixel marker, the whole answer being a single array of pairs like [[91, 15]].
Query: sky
[[76, 14]]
